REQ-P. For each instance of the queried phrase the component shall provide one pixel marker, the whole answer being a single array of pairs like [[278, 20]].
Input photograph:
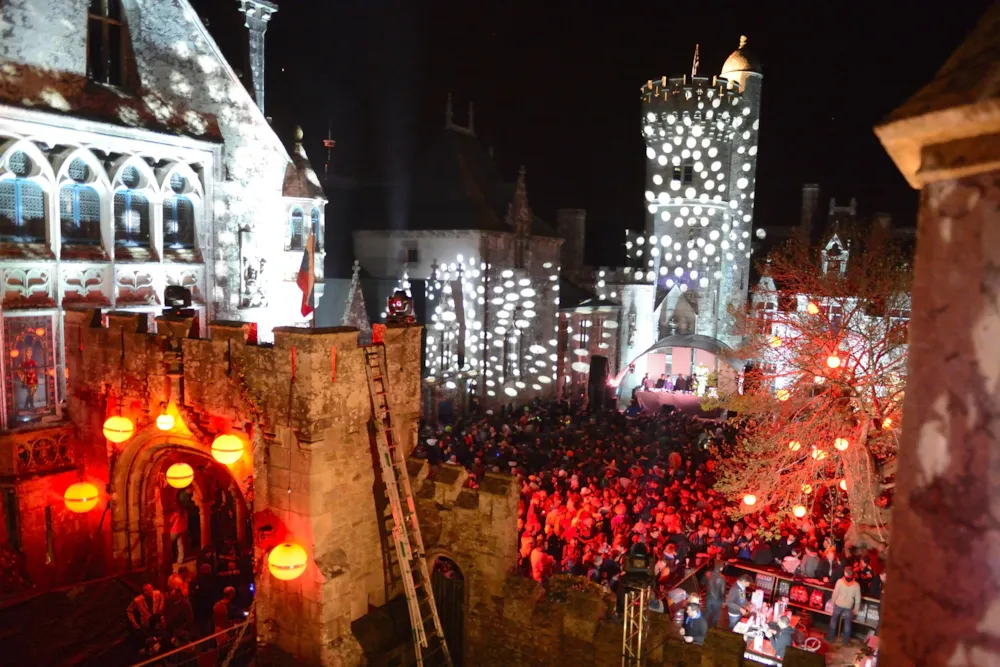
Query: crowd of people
[[594, 485], [210, 600]]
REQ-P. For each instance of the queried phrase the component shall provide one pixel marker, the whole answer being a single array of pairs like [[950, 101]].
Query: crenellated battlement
[[695, 88]]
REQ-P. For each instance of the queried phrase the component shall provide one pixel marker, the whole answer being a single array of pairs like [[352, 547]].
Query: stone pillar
[[942, 601], [258, 13]]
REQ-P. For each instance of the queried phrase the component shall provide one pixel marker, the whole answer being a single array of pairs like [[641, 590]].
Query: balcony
[[36, 452]]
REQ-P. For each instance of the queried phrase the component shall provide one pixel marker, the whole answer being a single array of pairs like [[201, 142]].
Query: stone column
[[942, 602], [258, 13]]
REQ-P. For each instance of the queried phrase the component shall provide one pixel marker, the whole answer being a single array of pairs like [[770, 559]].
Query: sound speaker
[[597, 386]]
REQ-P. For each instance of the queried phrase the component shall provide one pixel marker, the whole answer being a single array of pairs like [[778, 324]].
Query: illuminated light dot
[[685, 153], [662, 160], [715, 166], [648, 130], [510, 391], [833, 361], [799, 510], [679, 222], [841, 444], [710, 249], [761, 234], [690, 193], [650, 116], [887, 422], [580, 367], [812, 308], [665, 240], [671, 119], [657, 180], [807, 489], [691, 142], [749, 500], [818, 454], [794, 445], [706, 142], [677, 141], [783, 394], [843, 485], [776, 341], [742, 182], [703, 282], [675, 185], [752, 151], [544, 379], [650, 153], [665, 216]]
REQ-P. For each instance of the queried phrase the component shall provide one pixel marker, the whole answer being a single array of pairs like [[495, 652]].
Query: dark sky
[[555, 85]]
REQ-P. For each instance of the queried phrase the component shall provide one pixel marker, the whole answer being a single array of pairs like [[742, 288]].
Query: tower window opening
[[688, 175]]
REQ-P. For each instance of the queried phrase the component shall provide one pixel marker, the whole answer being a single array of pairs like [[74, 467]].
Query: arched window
[[131, 212], [295, 228], [314, 218], [22, 204], [79, 207], [106, 42], [178, 216]]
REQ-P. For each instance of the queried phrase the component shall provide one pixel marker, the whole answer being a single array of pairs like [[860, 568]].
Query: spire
[[448, 115], [519, 212], [472, 118], [355, 313], [694, 64], [743, 41]]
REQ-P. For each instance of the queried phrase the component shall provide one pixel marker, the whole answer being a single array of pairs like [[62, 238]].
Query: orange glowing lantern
[[807, 489], [887, 422], [180, 475], [799, 511], [287, 561], [118, 429], [15, 353], [818, 454], [81, 497], [749, 500], [783, 394], [227, 449], [843, 485], [776, 342], [812, 308], [841, 444], [833, 361], [794, 445], [165, 422]]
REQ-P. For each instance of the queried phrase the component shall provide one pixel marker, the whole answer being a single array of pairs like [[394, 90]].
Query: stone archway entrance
[[179, 525], [448, 583]]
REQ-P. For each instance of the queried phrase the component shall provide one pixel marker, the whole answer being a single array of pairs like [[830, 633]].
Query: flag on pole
[[306, 279]]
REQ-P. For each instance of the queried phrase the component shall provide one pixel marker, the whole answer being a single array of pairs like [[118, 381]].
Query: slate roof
[[300, 178]]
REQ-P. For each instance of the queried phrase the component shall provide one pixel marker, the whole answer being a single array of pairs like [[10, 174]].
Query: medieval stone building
[[490, 271], [132, 158]]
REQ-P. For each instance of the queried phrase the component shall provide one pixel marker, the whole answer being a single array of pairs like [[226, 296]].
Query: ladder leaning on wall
[[428, 637]]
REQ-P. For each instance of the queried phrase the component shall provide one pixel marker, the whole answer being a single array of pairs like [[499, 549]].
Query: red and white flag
[[306, 279]]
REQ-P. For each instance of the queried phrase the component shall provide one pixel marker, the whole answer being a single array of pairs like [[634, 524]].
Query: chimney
[[258, 13], [571, 223], [810, 198]]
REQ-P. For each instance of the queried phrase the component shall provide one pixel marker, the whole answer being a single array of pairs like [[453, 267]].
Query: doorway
[[448, 583]]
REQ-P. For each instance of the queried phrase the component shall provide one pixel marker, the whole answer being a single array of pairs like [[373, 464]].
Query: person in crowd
[[661, 381], [178, 531], [831, 568], [179, 579], [222, 611], [846, 603], [791, 563], [178, 618], [204, 591], [141, 610], [810, 562], [695, 628], [646, 383], [782, 635], [736, 601], [715, 593]]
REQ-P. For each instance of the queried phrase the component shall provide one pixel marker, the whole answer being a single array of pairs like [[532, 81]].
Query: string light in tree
[[843, 485], [841, 444], [807, 489], [887, 422], [749, 500], [783, 394], [818, 454], [812, 308], [794, 445], [833, 361], [776, 341], [799, 511]]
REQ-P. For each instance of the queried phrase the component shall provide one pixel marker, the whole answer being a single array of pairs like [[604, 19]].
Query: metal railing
[[234, 647]]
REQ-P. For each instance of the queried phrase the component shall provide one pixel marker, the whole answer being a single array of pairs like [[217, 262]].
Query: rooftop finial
[[743, 41], [298, 134], [694, 64], [448, 116], [472, 118]]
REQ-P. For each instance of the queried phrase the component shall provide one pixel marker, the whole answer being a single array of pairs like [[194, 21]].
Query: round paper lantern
[[818, 454], [227, 449], [841, 444], [165, 422], [794, 445], [776, 341], [180, 475], [81, 497], [812, 308], [118, 429], [749, 499], [287, 561], [799, 511], [833, 361], [807, 489], [843, 485], [783, 394]]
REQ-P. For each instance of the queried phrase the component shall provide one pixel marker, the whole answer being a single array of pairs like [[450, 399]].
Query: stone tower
[[701, 150]]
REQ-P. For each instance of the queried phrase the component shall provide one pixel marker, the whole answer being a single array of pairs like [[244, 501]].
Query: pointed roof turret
[[519, 211], [300, 178], [740, 64], [355, 313]]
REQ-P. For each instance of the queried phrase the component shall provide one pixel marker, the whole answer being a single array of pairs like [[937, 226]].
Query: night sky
[[555, 86]]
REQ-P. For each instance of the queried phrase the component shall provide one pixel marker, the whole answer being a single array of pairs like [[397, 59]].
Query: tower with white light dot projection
[[701, 154]]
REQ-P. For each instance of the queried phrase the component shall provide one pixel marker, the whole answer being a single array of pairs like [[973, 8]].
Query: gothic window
[[79, 208], [178, 216], [30, 380], [22, 203], [106, 44], [296, 223], [131, 212], [688, 172]]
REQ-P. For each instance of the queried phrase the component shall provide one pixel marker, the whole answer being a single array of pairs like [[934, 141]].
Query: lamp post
[[638, 586]]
